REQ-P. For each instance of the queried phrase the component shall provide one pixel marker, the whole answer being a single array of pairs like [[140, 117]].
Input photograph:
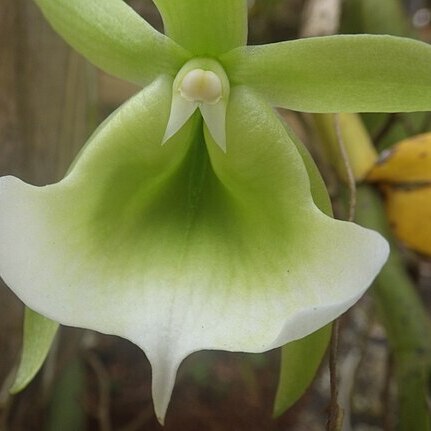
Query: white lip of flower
[[200, 84]]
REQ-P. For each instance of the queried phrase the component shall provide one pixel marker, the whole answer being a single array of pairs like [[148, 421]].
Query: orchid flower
[[188, 221]]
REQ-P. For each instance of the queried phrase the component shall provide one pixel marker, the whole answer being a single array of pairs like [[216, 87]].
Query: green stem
[[406, 322]]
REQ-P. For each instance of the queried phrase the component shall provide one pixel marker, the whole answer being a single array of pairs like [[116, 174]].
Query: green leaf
[[115, 38], [39, 334], [357, 73], [406, 320], [376, 17], [300, 361], [67, 409], [205, 27]]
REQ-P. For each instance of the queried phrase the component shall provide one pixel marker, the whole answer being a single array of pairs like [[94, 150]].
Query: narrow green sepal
[[39, 333], [110, 34], [205, 27], [344, 73], [300, 361]]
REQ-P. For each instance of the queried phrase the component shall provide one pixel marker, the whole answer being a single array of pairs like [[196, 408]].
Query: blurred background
[[50, 101]]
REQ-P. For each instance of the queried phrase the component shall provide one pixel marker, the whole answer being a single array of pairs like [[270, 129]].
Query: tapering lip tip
[[161, 420]]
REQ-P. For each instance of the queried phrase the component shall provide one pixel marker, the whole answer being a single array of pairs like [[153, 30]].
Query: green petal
[[38, 336], [318, 189], [115, 38], [205, 27], [183, 247], [357, 73]]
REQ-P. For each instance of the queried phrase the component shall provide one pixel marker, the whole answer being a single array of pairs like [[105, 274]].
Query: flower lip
[[201, 86]]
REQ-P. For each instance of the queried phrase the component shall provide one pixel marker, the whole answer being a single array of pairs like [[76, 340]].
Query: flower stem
[[335, 419]]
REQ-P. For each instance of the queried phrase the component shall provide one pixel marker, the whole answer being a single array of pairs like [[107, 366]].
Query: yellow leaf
[[407, 162], [409, 213], [404, 174], [361, 153]]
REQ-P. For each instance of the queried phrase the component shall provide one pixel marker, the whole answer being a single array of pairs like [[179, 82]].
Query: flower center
[[203, 86]]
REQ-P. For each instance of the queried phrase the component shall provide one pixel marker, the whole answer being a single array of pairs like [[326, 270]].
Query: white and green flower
[[188, 221]]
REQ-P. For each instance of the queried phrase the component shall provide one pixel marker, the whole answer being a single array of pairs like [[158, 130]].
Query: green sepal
[[110, 34], [300, 361], [205, 27], [344, 73], [384, 17], [39, 333]]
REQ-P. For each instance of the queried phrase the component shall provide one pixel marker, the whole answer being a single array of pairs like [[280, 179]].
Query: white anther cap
[[201, 86]]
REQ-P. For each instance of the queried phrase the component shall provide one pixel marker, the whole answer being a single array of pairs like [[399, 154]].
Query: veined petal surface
[[205, 27], [183, 247], [115, 38], [344, 73]]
